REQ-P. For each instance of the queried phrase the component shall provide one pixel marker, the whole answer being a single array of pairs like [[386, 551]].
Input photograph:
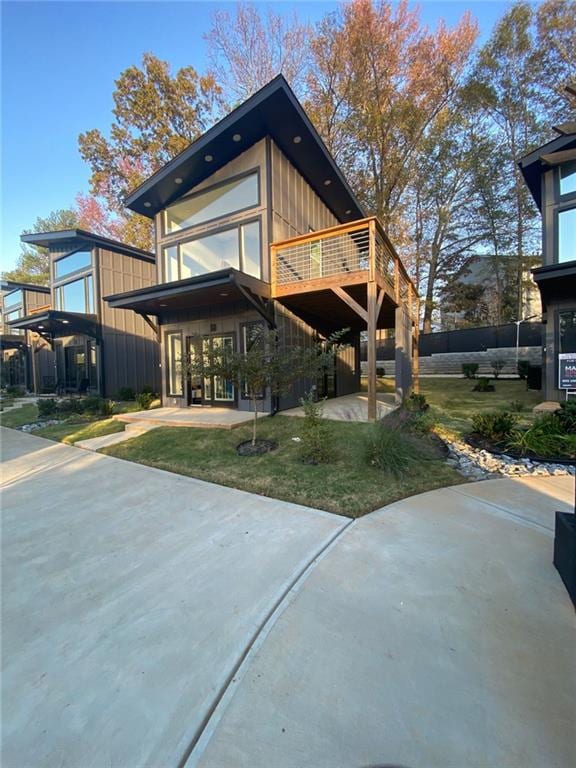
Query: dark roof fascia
[[135, 201], [531, 164], [9, 341], [74, 323], [46, 239], [565, 269], [190, 285], [10, 285], [165, 290]]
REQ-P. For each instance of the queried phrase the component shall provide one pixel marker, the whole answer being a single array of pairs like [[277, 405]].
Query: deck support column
[[403, 340], [372, 310]]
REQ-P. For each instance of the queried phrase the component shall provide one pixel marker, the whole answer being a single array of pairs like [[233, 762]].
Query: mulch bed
[[262, 446], [480, 443]]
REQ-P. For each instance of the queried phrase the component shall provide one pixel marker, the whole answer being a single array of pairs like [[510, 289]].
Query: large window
[[568, 178], [9, 317], [76, 296], [14, 299], [73, 263], [567, 235], [222, 200], [174, 354], [237, 247]]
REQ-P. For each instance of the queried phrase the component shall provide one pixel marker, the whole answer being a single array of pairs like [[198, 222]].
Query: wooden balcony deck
[[348, 276]]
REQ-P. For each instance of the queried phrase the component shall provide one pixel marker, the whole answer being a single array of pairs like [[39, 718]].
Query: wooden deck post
[[372, 322]]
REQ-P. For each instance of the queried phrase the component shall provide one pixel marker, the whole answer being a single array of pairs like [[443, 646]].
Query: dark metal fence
[[467, 340]]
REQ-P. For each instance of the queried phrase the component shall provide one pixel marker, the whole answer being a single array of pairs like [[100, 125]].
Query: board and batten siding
[[130, 350], [296, 208]]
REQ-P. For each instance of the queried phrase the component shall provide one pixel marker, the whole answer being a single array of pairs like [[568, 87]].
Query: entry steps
[[132, 429]]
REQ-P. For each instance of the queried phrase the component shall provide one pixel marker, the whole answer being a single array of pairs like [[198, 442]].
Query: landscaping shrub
[[380, 371], [523, 366], [316, 447], [392, 450], [538, 441], [47, 407], [484, 385], [470, 370], [517, 406], [498, 366], [71, 405], [106, 408], [97, 406], [15, 390], [423, 423], [416, 402], [566, 416], [145, 400], [496, 426], [126, 393], [147, 390]]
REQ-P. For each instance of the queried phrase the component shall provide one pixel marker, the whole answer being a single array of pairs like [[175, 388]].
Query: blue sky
[[59, 63]]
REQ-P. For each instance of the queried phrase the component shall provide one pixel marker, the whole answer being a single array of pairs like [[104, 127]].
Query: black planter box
[[565, 551]]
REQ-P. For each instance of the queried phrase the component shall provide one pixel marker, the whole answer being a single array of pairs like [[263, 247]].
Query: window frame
[[18, 305], [566, 196], [568, 205], [65, 278], [224, 182], [59, 294], [227, 227], [167, 344], [243, 327]]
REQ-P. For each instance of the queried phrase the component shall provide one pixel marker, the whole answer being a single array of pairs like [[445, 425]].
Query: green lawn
[[348, 486], [72, 433], [454, 403], [26, 414]]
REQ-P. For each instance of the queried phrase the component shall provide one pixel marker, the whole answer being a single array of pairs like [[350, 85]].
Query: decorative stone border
[[40, 425], [478, 464]]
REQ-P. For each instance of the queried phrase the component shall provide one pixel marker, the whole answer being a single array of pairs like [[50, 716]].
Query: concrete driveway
[[155, 620]]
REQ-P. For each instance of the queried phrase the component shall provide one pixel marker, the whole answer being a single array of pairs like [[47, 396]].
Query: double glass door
[[210, 390]]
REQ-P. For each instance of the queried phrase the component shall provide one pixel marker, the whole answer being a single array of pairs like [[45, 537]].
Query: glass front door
[[210, 390]]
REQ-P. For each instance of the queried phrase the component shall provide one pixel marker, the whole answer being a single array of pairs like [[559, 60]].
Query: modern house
[[98, 349], [256, 225], [26, 359], [550, 173]]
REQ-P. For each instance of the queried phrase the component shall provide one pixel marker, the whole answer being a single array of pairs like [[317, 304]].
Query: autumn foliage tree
[[157, 114]]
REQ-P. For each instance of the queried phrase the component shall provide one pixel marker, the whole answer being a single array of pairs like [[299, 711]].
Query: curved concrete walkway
[[155, 620]]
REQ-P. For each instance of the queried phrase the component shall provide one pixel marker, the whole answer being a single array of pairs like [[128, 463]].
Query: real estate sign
[[567, 370]]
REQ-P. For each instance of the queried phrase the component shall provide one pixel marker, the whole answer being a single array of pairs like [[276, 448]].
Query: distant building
[[488, 307]]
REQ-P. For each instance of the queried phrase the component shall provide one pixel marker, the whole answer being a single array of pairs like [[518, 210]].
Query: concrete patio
[[151, 619], [351, 407], [199, 417]]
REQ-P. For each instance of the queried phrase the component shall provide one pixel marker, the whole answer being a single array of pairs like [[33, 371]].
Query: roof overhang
[[217, 289], [79, 237], [273, 111], [533, 164], [56, 324], [9, 341], [556, 282], [12, 285]]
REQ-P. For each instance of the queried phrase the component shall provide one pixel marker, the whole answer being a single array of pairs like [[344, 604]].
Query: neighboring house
[[256, 225], [494, 291], [26, 360], [98, 349], [550, 173]]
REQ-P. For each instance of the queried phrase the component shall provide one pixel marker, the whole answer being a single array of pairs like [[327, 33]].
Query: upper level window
[[13, 299], [76, 296], [237, 247], [567, 235], [568, 178], [222, 200], [73, 263]]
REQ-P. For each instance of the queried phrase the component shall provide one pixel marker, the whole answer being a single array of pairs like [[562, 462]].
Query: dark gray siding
[[130, 353]]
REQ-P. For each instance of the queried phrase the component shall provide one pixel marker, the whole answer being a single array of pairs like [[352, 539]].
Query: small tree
[[265, 366]]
